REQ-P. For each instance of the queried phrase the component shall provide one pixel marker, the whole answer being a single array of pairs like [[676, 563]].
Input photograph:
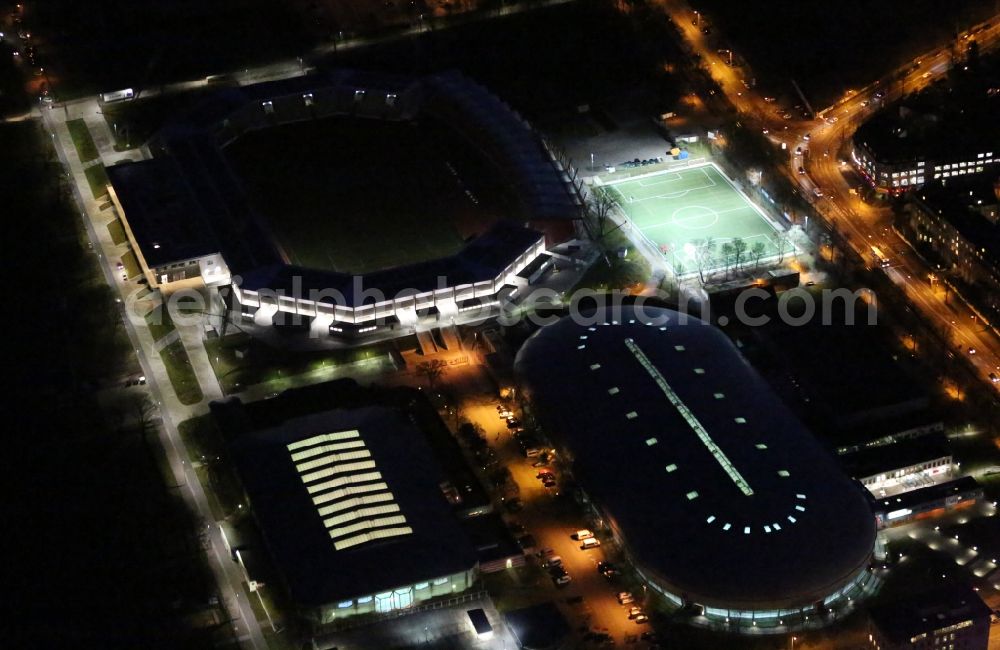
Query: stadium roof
[[349, 504], [929, 611], [484, 258], [718, 491], [200, 203], [166, 220]]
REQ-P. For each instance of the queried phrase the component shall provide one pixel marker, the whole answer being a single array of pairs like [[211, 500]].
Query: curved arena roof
[[717, 491]]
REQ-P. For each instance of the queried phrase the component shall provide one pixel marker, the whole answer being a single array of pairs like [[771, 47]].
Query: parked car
[[625, 597], [633, 612], [588, 544], [641, 618]]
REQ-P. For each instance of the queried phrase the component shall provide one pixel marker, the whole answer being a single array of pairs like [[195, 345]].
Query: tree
[[783, 245], [757, 252], [432, 370], [600, 205], [739, 247], [704, 253], [727, 255]]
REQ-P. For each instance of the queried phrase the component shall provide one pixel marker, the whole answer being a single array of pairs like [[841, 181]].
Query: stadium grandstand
[[187, 213]]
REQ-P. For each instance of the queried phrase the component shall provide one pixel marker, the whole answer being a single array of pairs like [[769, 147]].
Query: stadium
[[685, 215], [716, 493], [366, 205]]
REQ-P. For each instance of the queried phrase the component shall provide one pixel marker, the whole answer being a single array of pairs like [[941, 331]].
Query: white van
[[582, 534], [589, 543]]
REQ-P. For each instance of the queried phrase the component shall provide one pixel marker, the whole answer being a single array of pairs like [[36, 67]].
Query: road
[[864, 225]]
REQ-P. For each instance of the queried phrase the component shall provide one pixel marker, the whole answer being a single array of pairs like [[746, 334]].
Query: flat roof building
[[351, 510], [716, 492], [901, 465], [952, 617]]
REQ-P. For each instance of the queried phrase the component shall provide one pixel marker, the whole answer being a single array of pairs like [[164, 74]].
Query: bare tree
[[782, 246], [757, 252], [739, 247], [728, 251], [432, 370], [704, 253], [600, 205]]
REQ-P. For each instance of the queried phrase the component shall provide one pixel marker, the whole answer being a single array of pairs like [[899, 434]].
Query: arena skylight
[[355, 504], [689, 417]]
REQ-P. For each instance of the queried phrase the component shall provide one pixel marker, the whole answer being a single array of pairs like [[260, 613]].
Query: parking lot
[[551, 516]]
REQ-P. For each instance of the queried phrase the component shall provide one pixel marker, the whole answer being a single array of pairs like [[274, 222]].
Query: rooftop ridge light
[[690, 418]]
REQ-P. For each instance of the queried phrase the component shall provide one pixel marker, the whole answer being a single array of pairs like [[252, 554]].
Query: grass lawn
[[629, 273], [97, 179], [117, 232], [159, 321], [261, 363], [674, 210], [131, 264], [181, 373], [82, 140]]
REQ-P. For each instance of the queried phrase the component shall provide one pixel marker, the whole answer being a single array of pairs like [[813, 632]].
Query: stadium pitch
[[676, 211]]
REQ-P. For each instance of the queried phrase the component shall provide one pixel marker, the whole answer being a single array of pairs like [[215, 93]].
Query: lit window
[[631, 415], [776, 526], [345, 604], [740, 420], [767, 529], [651, 441], [719, 395], [671, 468], [699, 371], [800, 508], [613, 390], [595, 366], [800, 496], [692, 495], [746, 530], [421, 585], [783, 473], [581, 347], [727, 527], [761, 445], [792, 519], [710, 519], [679, 348], [583, 337]]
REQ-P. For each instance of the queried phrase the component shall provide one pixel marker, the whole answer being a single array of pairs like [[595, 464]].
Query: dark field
[[828, 47], [358, 196], [544, 63], [103, 45]]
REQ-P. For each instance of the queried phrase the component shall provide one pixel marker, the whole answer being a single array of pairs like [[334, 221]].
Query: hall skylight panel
[[354, 503]]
